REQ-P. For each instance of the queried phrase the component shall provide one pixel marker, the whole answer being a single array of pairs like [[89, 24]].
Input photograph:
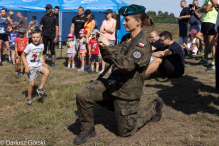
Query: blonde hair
[[11, 13], [33, 23], [14, 26], [113, 15]]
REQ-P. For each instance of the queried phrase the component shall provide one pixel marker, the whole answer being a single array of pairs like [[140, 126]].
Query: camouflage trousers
[[130, 117]]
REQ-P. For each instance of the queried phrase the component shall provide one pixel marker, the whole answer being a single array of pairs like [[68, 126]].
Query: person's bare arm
[[198, 15], [161, 54], [72, 28], [184, 17], [192, 48], [10, 20], [205, 9], [23, 58], [102, 29], [215, 3], [153, 48], [16, 52], [92, 27], [112, 29], [41, 27]]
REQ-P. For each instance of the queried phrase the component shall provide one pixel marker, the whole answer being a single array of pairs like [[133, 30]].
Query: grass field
[[190, 113]]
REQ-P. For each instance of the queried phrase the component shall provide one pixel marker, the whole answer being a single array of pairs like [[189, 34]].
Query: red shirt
[[21, 43], [94, 46]]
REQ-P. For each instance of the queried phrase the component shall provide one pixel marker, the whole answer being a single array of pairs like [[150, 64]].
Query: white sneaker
[[101, 72]]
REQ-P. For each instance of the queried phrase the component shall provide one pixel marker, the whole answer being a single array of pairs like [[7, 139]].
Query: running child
[[82, 46], [71, 50], [94, 50], [11, 37], [20, 44], [34, 62]]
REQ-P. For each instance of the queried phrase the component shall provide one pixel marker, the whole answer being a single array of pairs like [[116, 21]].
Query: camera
[[115, 80], [191, 5]]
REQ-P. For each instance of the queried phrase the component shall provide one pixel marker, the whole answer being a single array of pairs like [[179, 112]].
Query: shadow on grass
[[184, 95], [101, 116], [34, 94]]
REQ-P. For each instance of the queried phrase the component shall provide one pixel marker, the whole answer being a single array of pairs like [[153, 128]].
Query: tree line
[[162, 17]]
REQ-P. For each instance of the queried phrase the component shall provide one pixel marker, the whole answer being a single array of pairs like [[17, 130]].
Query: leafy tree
[[165, 14], [151, 13], [171, 15], [160, 13]]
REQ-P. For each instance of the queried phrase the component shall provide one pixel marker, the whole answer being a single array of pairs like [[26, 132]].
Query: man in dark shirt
[[78, 24], [169, 62], [183, 21], [56, 11], [156, 44], [22, 21], [50, 27]]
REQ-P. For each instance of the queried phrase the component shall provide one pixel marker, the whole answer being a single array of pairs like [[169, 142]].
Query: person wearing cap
[[121, 92], [89, 27], [20, 44], [94, 51], [22, 21], [71, 51], [76, 25], [183, 21], [191, 48], [108, 28], [4, 34], [82, 43], [50, 27]]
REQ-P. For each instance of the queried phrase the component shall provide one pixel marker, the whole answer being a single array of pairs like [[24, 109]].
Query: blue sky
[[171, 6]]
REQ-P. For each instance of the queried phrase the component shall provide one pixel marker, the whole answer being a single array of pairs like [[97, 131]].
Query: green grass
[[190, 114]]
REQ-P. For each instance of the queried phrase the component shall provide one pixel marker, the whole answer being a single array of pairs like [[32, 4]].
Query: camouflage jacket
[[131, 67]]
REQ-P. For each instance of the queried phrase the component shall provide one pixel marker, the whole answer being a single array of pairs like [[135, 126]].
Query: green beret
[[131, 10]]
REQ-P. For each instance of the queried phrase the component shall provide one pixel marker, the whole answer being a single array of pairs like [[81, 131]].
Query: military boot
[[158, 103], [84, 136]]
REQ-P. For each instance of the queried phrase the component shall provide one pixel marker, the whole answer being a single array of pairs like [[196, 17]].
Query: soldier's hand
[[103, 40]]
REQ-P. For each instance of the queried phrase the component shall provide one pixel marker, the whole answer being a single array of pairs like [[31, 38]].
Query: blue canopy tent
[[69, 10]]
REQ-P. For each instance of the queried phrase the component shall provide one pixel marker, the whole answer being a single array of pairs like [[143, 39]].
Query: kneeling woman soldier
[[123, 88]]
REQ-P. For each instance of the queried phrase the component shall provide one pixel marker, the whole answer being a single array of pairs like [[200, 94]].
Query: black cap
[[49, 6], [108, 11], [87, 12]]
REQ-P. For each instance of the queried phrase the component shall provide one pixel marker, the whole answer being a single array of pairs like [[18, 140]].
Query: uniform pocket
[[127, 125]]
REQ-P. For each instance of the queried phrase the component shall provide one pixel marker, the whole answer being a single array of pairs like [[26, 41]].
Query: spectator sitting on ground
[[156, 44], [193, 43], [169, 62]]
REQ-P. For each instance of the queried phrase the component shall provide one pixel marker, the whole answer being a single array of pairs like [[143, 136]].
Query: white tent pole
[[60, 29]]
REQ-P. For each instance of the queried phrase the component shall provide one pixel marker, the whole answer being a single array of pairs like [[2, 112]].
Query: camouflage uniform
[[130, 117]]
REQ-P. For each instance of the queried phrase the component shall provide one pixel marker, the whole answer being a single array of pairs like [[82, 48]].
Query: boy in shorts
[[20, 44], [11, 37], [34, 62], [94, 51]]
